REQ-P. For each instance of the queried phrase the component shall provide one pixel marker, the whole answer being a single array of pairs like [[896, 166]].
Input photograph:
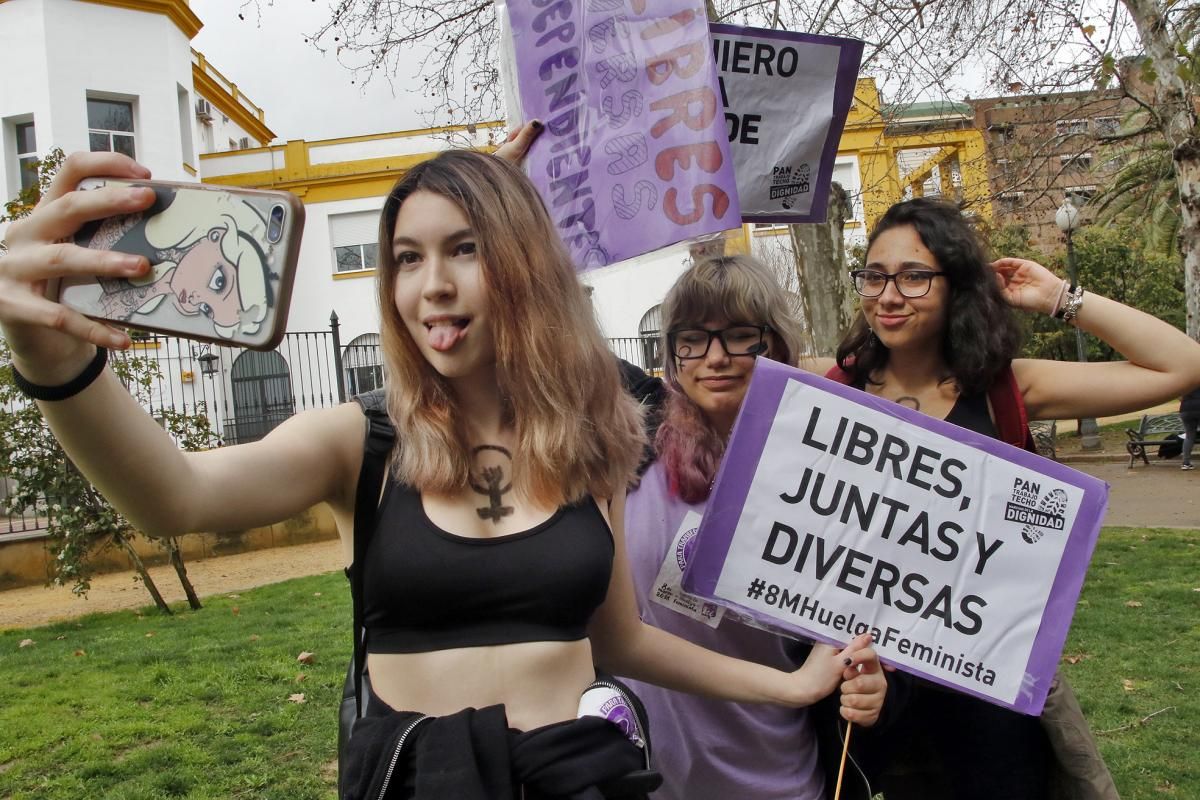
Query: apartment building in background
[[1045, 148]]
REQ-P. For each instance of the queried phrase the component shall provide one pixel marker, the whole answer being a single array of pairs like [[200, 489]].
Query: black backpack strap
[[377, 447]]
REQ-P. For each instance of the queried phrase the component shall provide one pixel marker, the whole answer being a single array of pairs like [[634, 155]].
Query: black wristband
[[68, 389]]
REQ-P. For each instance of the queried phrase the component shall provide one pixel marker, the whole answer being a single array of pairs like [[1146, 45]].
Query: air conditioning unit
[[244, 143], [204, 111]]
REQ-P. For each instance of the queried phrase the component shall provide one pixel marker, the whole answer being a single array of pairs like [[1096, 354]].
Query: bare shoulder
[[324, 426]]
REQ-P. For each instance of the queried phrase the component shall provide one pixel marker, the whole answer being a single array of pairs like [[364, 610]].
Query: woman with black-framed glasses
[[936, 332], [910, 282], [720, 317]]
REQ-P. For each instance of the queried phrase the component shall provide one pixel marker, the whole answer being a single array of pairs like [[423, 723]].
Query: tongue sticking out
[[443, 336]]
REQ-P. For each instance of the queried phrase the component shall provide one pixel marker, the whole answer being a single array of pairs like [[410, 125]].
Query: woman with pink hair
[[720, 317]]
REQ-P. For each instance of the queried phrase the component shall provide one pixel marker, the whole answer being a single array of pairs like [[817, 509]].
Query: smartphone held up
[[222, 263]]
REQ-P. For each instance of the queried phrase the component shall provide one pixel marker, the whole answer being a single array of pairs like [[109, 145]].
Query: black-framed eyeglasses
[[910, 283], [736, 340]]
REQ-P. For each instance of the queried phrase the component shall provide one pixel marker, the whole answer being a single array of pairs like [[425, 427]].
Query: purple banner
[[836, 512], [784, 160], [634, 156]]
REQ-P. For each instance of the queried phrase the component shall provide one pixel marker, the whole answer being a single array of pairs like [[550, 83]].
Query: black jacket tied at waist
[[474, 755]]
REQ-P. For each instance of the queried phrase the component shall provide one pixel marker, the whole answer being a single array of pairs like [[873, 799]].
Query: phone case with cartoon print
[[222, 263]]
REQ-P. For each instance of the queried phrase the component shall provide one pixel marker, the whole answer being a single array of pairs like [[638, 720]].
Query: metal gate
[[262, 396]]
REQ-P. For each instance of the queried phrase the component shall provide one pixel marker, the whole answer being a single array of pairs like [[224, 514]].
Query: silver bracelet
[[1074, 303]]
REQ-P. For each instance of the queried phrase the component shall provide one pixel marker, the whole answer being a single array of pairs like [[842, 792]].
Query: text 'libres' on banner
[[634, 156]]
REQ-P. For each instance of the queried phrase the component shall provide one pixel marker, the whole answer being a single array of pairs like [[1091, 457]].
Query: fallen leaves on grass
[[1128, 686], [1133, 604], [81, 652], [301, 677], [26, 643], [1075, 659], [297, 698], [306, 658]]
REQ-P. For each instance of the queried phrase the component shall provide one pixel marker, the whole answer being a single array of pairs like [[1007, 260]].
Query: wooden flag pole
[[837, 792]]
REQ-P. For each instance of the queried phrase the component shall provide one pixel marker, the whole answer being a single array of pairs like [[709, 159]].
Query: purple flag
[[634, 156]]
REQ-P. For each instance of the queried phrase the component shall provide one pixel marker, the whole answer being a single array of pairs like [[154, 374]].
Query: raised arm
[[1162, 364], [624, 645], [116, 444]]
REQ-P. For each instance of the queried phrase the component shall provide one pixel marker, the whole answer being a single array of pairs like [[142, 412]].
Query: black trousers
[[951, 745]]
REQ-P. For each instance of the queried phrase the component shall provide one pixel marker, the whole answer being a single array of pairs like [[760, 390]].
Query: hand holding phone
[[51, 342]]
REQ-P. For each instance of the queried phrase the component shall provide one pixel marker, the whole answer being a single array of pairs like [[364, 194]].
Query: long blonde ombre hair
[[577, 431]]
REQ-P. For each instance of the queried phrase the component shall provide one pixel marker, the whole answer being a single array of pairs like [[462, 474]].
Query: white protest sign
[[836, 513], [786, 99]]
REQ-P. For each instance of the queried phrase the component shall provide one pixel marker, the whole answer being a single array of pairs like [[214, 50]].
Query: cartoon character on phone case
[[205, 261]]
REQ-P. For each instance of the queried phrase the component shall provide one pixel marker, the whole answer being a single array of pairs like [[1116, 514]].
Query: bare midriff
[[538, 683]]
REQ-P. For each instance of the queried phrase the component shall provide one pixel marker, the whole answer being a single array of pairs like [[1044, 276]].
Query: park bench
[[1153, 430], [1043, 432]]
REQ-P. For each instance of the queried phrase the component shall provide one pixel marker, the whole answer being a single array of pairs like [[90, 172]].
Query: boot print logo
[[1040, 512]]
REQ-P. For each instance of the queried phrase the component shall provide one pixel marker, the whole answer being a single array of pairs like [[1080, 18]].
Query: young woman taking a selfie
[[497, 578]]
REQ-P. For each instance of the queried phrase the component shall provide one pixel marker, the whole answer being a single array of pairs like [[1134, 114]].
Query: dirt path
[[1159, 495], [1156, 496], [37, 605]]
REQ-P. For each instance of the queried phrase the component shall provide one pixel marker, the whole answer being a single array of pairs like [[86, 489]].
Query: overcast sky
[[305, 94]]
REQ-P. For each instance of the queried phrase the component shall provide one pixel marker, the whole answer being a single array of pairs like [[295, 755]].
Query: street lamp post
[[1067, 218]]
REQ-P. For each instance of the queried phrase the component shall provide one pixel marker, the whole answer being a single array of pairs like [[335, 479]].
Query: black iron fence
[[247, 393], [644, 351], [244, 393]]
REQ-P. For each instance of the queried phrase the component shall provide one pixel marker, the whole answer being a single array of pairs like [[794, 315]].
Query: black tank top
[[426, 589], [971, 412]]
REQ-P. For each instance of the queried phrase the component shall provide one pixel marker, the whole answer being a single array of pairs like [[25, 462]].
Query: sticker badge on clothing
[[667, 586]]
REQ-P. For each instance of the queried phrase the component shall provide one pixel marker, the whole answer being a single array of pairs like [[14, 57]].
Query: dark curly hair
[[981, 336]]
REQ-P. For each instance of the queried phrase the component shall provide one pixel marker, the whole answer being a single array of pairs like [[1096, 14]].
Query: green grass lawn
[[1136, 638], [197, 705]]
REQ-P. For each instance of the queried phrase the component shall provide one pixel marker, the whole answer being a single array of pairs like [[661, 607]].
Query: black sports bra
[[425, 589], [971, 412]]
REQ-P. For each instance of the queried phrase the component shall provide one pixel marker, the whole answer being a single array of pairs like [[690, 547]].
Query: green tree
[[1145, 189], [1112, 260], [80, 522], [27, 198]]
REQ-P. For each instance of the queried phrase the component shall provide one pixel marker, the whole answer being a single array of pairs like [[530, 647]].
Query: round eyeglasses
[[736, 340], [911, 283]]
